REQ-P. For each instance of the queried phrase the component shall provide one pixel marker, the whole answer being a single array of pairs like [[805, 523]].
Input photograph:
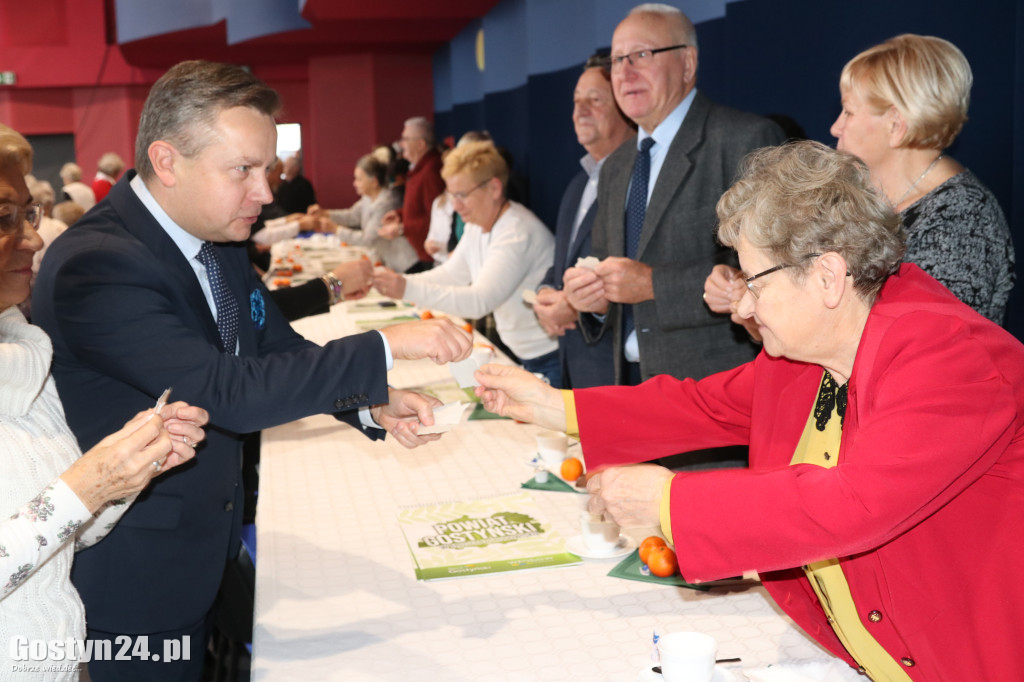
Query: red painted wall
[[71, 81], [356, 102]]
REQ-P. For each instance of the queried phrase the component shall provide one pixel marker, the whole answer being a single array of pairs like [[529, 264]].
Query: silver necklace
[[919, 179]]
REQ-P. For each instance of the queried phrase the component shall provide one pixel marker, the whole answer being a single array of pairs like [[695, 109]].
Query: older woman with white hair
[[904, 102], [74, 189], [885, 420], [54, 499]]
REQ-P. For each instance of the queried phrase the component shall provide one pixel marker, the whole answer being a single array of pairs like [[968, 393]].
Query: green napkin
[[554, 484], [629, 568], [480, 413]]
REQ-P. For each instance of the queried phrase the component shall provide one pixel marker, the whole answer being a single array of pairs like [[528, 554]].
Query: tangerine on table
[[468, 327], [662, 562], [572, 469], [648, 544], [426, 315]]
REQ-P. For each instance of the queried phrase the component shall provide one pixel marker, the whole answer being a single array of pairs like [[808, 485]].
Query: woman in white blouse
[[54, 499], [360, 223], [504, 250]]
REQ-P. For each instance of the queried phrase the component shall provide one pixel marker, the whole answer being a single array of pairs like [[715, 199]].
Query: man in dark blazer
[[697, 148], [601, 128], [132, 309]]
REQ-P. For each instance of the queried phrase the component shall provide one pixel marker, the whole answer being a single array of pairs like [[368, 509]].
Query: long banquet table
[[337, 598]]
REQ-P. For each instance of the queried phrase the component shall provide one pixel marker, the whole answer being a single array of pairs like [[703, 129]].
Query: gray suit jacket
[[676, 332]]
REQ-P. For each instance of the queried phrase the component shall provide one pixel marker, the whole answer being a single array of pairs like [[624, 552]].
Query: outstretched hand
[[438, 339], [514, 392], [405, 412]]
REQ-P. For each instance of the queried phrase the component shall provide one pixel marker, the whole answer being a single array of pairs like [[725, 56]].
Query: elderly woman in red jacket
[[884, 498]]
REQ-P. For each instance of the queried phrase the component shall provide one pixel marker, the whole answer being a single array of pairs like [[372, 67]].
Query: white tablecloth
[[337, 599]]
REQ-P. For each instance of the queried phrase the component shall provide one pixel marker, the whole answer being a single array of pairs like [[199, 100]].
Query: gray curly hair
[[803, 198]]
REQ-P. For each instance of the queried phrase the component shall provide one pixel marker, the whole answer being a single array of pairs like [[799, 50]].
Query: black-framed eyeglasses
[[14, 217], [462, 196], [749, 281], [641, 58]]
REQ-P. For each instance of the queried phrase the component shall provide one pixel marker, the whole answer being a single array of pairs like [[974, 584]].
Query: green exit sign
[[7, 78]]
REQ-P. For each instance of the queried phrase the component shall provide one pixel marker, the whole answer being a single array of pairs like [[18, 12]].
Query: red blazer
[[422, 186], [925, 507]]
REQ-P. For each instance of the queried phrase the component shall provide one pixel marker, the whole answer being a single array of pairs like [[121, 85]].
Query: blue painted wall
[[765, 56]]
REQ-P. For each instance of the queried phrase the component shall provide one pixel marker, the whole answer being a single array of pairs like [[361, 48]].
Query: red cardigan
[[925, 507], [422, 186]]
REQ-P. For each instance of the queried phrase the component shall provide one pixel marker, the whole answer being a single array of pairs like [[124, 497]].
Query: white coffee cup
[[687, 656], [599, 535], [551, 447]]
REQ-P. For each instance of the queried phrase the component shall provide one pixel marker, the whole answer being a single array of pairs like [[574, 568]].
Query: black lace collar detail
[[830, 397]]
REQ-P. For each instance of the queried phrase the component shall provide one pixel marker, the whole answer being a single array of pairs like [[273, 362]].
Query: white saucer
[[625, 545], [721, 675]]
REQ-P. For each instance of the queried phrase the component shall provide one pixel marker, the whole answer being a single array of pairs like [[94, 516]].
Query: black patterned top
[[958, 234]]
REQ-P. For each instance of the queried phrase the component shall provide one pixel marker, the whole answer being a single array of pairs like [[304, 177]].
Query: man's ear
[[164, 157], [831, 275]]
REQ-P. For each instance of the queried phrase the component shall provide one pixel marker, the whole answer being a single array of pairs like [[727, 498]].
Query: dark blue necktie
[[636, 209], [227, 306]]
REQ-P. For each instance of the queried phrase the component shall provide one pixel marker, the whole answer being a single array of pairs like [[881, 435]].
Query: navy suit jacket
[[127, 318], [583, 364]]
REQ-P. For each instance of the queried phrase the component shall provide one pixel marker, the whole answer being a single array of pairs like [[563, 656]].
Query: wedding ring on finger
[[156, 465]]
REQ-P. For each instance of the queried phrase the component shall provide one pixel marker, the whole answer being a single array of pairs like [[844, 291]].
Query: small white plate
[[625, 545], [721, 675]]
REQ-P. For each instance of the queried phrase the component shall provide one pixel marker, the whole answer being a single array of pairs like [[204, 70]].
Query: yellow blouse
[[821, 448]]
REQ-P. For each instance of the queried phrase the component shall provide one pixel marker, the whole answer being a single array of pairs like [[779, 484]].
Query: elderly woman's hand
[[514, 392], [185, 424], [124, 462], [630, 495]]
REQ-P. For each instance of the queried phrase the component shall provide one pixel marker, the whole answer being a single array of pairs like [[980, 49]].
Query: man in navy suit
[[600, 128], [154, 289]]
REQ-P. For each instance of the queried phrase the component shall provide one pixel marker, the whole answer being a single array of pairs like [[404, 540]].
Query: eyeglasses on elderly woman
[[754, 290], [14, 217]]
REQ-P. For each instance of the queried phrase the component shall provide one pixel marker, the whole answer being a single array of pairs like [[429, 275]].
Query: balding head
[[649, 80]]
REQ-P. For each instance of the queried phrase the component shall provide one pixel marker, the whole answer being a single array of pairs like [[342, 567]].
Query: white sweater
[[487, 272], [41, 514]]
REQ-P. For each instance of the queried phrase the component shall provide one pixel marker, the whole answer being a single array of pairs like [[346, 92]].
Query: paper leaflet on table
[[485, 535]]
